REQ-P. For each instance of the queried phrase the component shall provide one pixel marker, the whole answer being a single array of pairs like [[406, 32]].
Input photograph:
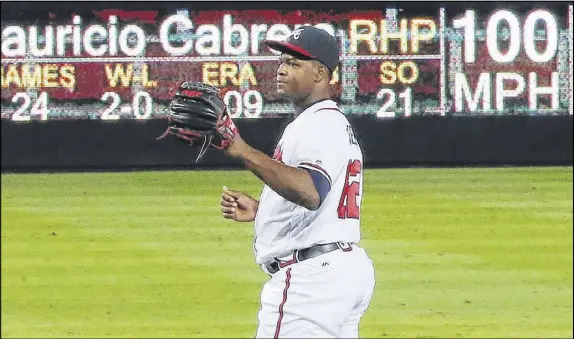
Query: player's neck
[[310, 100]]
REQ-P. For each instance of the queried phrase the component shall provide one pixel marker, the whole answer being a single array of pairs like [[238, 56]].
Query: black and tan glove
[[198, 115]]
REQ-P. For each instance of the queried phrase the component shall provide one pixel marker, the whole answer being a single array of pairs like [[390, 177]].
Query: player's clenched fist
[[238, 206]]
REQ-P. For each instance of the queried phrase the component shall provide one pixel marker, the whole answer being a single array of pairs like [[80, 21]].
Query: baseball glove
[[198, 115]]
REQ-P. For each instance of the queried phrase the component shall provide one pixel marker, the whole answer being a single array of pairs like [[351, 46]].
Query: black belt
[[304, 254]]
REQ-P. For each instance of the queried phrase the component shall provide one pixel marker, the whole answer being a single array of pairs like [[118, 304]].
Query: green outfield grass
[[458, 252]]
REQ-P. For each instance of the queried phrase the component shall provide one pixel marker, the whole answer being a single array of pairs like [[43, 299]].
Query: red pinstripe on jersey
[[290, 262]]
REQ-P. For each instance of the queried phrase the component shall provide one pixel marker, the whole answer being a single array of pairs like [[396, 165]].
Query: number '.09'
[[249, 104]]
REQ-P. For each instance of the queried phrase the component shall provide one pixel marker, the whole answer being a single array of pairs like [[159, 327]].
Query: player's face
[[295, 77]]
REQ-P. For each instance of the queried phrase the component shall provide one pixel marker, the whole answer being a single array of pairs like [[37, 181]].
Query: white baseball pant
[[322, 297]]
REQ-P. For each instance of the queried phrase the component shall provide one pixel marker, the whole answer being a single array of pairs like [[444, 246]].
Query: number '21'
[[348, 205]]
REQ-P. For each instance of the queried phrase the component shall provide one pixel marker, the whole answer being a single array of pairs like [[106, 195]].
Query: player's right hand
[[238, 206]]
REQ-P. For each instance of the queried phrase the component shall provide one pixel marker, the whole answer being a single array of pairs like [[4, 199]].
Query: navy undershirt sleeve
[[321, 184]]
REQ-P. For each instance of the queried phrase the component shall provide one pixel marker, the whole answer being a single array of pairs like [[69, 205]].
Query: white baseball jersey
[[319, 139]]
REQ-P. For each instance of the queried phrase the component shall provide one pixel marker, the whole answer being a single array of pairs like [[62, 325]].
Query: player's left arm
[[292, 183]]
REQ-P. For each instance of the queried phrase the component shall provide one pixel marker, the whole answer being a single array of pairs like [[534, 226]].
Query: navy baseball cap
[[311, 42]]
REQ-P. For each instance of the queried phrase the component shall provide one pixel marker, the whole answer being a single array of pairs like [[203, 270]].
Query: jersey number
[[348, 206]]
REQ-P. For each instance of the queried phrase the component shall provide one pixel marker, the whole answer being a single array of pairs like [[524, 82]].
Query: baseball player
[[307, 220]]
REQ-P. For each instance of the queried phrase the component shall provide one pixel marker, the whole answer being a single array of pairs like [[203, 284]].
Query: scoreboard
[[396, 61]]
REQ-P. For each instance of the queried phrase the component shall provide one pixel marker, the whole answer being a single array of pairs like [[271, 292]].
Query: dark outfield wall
[[496, 140], [426, 141]]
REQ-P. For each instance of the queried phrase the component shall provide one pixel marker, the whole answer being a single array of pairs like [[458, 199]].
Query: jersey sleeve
[[322, 144]]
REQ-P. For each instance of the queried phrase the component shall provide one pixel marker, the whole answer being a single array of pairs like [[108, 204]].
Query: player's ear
[[321, 73]]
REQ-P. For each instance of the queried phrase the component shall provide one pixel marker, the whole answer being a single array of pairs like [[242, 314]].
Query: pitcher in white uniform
[[307, 220]]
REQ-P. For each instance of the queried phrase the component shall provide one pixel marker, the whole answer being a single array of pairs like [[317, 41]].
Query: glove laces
[[204, 147]]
